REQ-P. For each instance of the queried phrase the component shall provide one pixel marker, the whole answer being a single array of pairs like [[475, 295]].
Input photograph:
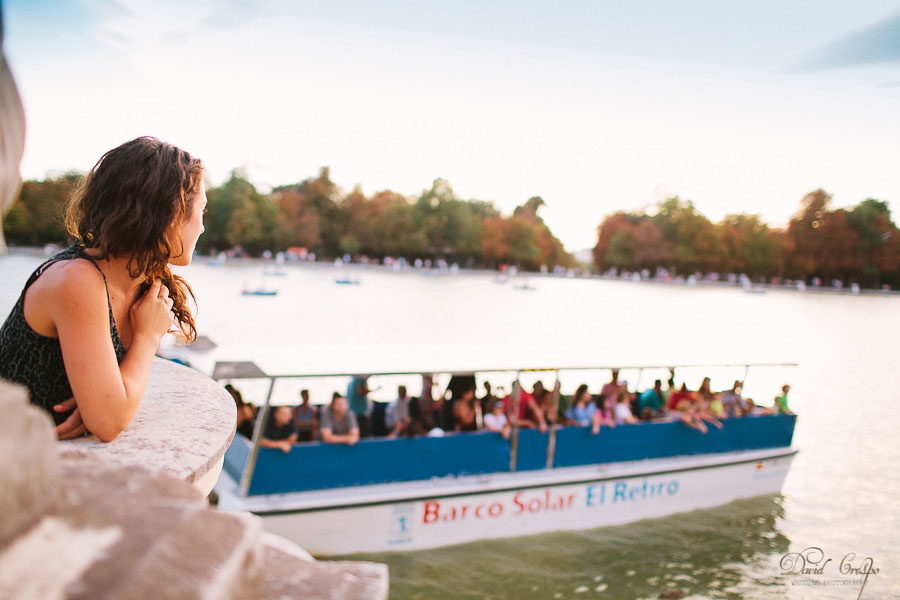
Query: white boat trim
[[449, 487]]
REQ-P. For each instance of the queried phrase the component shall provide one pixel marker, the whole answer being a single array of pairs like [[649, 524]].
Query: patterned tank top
[[36, 361]]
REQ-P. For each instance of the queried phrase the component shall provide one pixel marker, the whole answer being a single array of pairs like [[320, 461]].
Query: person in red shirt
[[680, 395], [529, 414]]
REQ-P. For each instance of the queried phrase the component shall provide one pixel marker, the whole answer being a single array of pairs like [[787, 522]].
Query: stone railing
[[86, 519], [183, 426]]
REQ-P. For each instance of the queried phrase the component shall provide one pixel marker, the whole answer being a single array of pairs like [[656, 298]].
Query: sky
[[741, 107]]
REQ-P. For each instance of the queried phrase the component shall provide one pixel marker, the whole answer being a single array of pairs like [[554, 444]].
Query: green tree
[[615, 246], [38, 215], [297, 223], [806, 240], [751, 246], [238, 215], [879, 240]]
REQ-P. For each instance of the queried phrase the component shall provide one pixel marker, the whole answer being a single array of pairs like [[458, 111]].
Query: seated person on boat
[[246, 413], [495, 420], [281, 432], [338, 424], [306, 418], [529, 415], [467, 412], [397, 417], [651, 402]]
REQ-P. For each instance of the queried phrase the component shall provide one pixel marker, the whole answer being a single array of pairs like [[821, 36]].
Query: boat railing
[[543, 446], [313, 466]]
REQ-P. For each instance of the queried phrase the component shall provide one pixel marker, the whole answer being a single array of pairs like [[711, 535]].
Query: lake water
[[842, 494]]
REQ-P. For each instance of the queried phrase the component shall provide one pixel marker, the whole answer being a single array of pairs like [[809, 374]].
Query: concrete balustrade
[[84, 519], [183, 426]]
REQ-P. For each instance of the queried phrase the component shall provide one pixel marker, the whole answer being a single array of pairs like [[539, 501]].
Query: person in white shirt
[[622, 412], [397, 417], [495, 420]]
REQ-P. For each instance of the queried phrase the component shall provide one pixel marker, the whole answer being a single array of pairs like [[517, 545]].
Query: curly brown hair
[[133, 203]]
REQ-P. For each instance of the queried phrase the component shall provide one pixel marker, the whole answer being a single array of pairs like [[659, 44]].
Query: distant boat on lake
[[524, 286]]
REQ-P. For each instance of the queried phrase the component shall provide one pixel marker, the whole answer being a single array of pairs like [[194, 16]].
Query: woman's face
[[191, 228]]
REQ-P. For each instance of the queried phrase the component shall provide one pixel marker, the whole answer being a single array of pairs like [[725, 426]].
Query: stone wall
[[88, 521]]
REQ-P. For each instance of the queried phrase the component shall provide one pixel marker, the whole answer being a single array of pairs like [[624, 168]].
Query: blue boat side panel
[[317, 466], [531, 454], [576, 446], [236, 456], [320, 466]]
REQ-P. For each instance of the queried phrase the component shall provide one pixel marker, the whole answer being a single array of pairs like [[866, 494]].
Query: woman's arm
[[107, 393]]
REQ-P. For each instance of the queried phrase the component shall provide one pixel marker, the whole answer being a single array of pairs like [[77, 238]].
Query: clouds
[[874, 45]]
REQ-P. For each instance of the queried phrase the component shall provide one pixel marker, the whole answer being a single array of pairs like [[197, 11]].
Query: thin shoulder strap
[[81, 254], [67, 254], [96, 266]]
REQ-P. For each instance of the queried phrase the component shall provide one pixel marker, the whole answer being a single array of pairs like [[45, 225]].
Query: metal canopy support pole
[[513, 410], [247, 475], [554, 410]]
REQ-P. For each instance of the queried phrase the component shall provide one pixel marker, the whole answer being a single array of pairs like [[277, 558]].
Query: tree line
[[859, 245], [317, 215]]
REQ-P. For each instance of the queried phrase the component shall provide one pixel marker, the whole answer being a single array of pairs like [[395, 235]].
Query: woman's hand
[[151, 314], [72, 427]]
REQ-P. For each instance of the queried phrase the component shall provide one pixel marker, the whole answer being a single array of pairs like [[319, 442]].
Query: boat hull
[[421, 515]]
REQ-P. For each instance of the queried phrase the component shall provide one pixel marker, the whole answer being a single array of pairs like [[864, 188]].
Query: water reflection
[[717, 553]]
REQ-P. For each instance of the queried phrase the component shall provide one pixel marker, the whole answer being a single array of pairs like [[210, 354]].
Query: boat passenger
[[755, 410], [424, 404], [397, 417], [610, 394], [651, 402], [246, 413], [358, 399], [732, 401], [781, 402], [680, 396], [458, 385], [581, 411], [280, 432], [496, 420], [670, 387], [487, 399], [716, 407], [306, 419], [338, 423], [622, 413], [83, 332], [465, 412], [690, 416], [703, 392], [703, 409], [529, 414]]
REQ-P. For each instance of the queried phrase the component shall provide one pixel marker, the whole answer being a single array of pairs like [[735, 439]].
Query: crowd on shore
[[351, 416]]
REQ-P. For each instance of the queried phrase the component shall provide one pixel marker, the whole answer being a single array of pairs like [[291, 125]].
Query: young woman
[[85, 328]]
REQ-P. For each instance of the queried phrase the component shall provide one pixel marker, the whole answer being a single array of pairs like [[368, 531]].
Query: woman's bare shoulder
[[74, 276], [67, 287]]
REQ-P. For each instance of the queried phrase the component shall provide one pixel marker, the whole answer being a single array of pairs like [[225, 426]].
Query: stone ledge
[[83, 526], [183, 426]]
